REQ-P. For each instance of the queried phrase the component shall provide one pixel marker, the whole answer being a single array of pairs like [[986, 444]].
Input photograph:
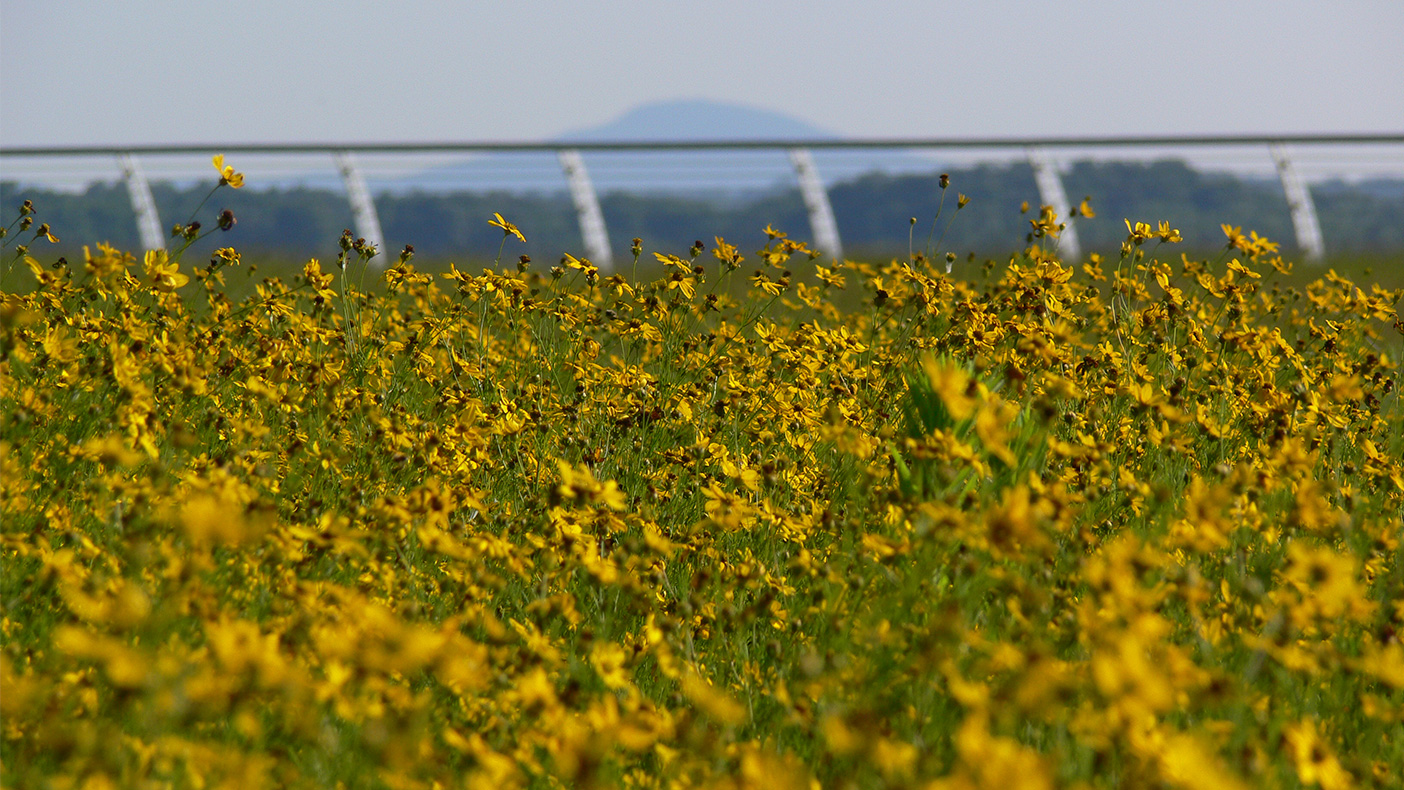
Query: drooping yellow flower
[[507, 227], [226, 172]]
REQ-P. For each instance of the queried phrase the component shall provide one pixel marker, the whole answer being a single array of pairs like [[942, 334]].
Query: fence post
[[1304, 220], [362, 205], [587, 207], [1050, 191], [148, 222], [816, 200]]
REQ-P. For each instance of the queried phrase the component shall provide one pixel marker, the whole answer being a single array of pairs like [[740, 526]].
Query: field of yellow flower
[[739, 519]]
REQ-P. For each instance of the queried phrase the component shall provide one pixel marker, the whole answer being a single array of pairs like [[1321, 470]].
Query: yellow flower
[[766, 284], [988, 760], [953, 385], [208, 519], [125, 666], [726, 509], [1385, 663], [164, 273], [579, 487], [1314, 761], [507, 227], [1189, 763], [609, 659], [1238, 268], [535, 690], [828, 277], [673, 260], [1327, 582], [583, 264], [226, 172], [1235, 235], [240, 647], [1014, 524], [712, 701], [727, 253]]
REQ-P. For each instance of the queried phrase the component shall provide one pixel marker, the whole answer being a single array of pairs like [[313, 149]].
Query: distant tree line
[[874, 214]]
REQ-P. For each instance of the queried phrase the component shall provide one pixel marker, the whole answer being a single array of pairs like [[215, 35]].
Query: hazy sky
[[158, 71]]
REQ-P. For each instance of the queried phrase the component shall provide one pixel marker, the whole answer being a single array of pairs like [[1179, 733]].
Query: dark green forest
[[873, 213]]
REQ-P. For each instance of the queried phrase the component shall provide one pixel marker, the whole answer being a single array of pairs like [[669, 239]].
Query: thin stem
[[939, 208]]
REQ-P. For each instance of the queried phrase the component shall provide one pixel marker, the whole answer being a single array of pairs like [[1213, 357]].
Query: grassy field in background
[[1383, 269], [740, 518]]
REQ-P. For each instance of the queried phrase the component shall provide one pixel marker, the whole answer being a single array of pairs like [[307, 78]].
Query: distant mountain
[[699, 119], [709, 175]]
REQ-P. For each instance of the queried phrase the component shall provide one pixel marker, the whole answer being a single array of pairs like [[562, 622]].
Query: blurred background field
[[1362, 222]]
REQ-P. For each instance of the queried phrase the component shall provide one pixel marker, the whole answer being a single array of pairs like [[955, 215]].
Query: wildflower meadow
[[726, 519]]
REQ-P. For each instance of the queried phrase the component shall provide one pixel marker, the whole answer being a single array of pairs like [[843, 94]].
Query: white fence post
[[816, 200], [587, 207], [143, 205], [1050, 191], [362, 205], [1304, 220]]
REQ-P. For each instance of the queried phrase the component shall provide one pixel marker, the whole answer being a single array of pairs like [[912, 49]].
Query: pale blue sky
[[158, 71]]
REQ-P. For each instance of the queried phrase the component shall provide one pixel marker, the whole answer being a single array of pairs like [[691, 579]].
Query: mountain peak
[[698, 119]]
